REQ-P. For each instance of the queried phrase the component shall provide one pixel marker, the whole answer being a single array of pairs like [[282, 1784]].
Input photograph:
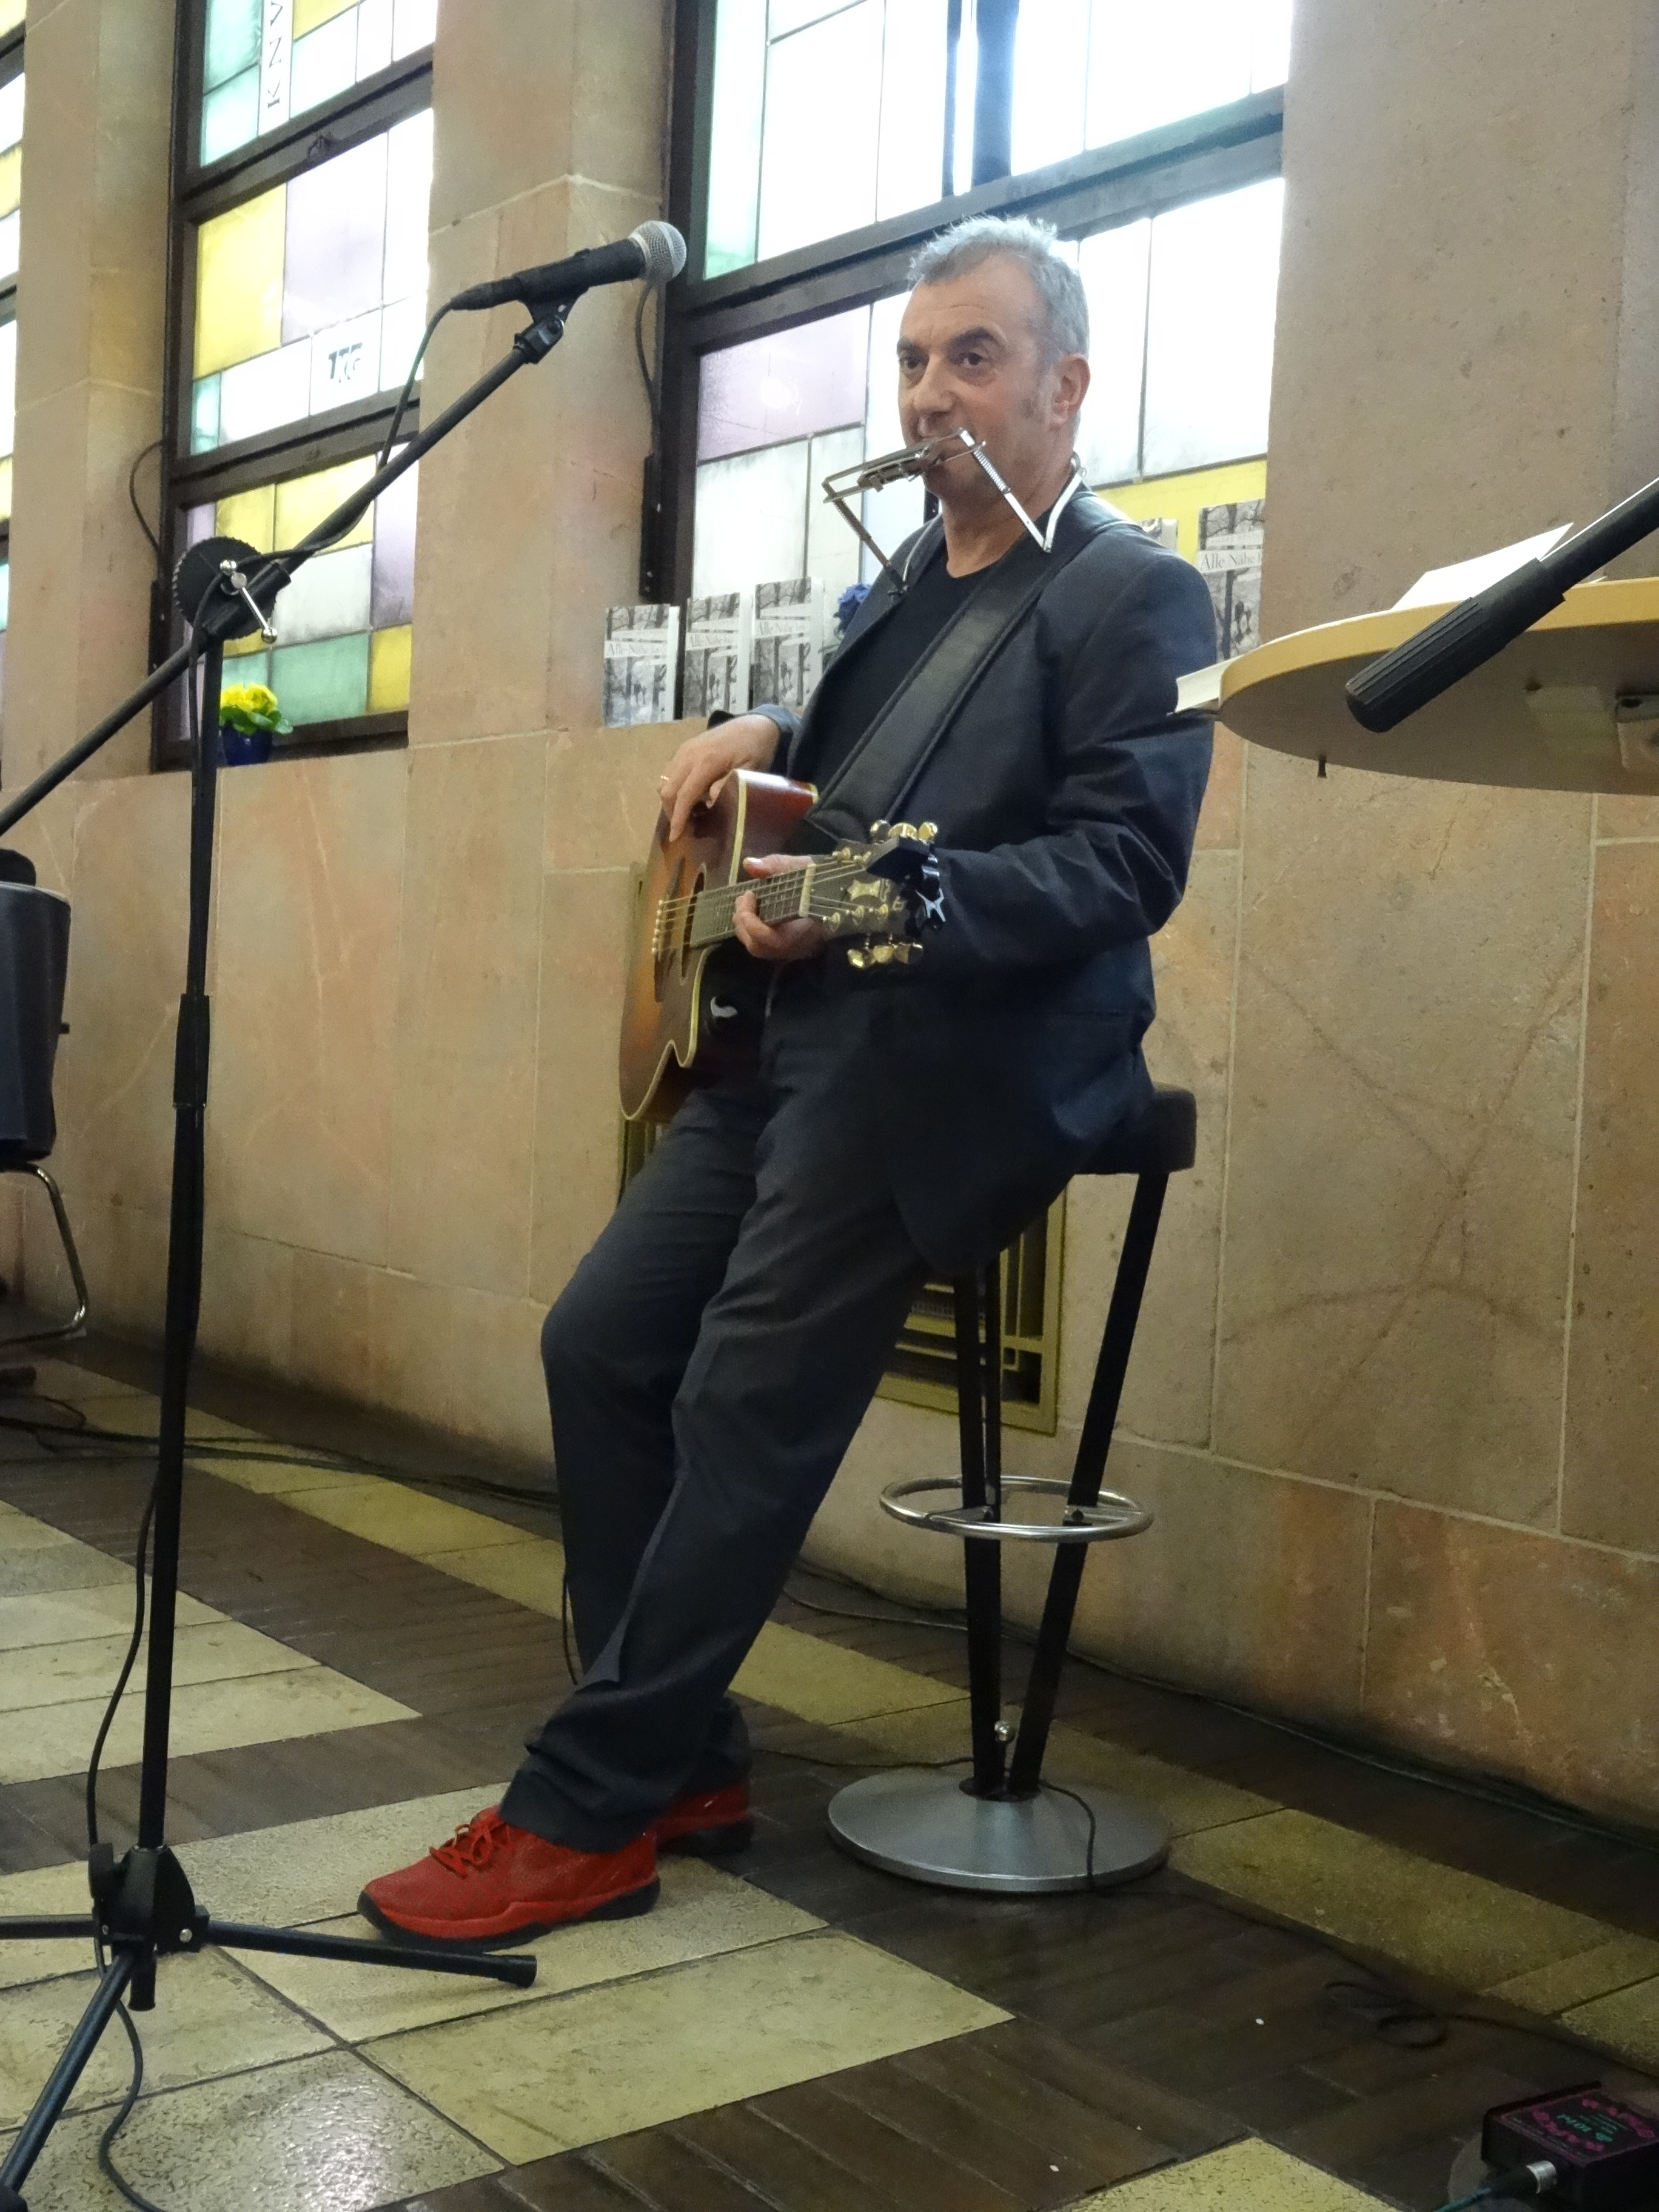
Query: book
[[641, 661], [1230, 540], [787, 655], [719, 638]]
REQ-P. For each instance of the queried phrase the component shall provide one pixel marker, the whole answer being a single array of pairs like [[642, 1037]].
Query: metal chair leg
[[76, 1324]]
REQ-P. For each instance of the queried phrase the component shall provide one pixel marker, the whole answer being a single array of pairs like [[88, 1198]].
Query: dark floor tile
[[975, 2128], [670, 2175], [1372, 2128], [776, 2166], [904, 2175], [1119, 2092], [568, 2184], [486, 2194]]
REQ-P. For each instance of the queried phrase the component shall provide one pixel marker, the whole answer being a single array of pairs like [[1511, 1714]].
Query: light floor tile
[[210, 2018], [1245, 2177], [1188, 1802], [308, 1700], [70, 1616], [21, 1533], [1598, 1972], [215, 1651], [570, 2070], [701, 1914], [1627, 2023], [310, 1870], [820, 1681], [273, 1476], [316, 2134], [68, 1564], [531, 1573], [1454, 1925], [56, 1889], [403, 1519], [138, 1413]]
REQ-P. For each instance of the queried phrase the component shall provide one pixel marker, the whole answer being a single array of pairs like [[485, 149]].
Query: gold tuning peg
[[927, 831], [903, 829], [880, 829], [858, 955], [904, 954]]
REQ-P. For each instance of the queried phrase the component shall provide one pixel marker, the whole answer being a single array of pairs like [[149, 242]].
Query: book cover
[[1230, 560], [718, 642], [787, 657], [641, 657]]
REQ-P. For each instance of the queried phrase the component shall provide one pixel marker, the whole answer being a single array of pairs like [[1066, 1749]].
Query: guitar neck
[[836, 892]]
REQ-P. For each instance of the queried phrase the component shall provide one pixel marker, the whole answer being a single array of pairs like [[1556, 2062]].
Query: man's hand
[[701, 765], [776, 940]]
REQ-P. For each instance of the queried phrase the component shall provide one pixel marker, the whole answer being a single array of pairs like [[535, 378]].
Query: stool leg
[[981, 1560], [1088, 1472]]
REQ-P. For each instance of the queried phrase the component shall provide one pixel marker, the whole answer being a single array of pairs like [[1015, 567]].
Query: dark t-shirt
[[856, 693]]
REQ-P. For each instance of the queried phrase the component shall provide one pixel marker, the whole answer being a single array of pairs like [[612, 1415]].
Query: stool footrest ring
[[1112, 1516]]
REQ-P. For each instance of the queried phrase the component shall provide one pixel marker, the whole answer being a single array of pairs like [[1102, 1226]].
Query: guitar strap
[[873, 781]]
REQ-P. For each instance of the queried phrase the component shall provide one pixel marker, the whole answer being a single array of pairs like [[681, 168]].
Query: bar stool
[[999, 1827], [34, 931]]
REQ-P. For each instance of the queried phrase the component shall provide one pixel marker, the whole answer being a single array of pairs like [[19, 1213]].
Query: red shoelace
[[473, 1845]]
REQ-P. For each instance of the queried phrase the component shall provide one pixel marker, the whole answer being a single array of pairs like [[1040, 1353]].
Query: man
[[711, 1358]]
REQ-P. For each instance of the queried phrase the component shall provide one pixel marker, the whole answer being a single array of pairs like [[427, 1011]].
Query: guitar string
[[822, 873], [721, 900]]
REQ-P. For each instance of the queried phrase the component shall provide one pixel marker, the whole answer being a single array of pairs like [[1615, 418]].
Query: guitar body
[[668, 1043]]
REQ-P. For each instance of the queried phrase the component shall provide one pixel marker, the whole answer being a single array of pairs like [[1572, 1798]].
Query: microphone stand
[[1456, 643], [142, 1907]]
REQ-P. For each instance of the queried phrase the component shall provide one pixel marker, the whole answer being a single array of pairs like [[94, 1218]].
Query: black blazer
[[1066, 792]]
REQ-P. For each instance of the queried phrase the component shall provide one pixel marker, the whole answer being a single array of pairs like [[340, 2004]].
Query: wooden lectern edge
[[1360, 638]]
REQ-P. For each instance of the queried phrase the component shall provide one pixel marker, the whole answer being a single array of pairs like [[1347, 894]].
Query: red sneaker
[[711, 1827], [494, 1883]]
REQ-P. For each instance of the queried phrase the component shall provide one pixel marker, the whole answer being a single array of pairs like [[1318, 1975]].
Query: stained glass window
[[1182, 320], [11, 172], [344, 624], [314, 294], [266, 61], [827, 116], [300, 307], [1090, 72]]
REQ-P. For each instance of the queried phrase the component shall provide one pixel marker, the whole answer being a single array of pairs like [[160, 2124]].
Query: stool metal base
[[921, 1822]]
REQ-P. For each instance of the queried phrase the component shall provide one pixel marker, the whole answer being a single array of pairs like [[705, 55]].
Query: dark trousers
[[706, 1367]]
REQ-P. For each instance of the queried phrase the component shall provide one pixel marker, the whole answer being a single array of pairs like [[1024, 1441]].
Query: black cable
[[653, 397], [107, 2165], [408, 392], [132, 498], [140, 1571]]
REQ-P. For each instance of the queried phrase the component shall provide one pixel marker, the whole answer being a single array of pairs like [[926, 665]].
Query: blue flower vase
[[240, 748]]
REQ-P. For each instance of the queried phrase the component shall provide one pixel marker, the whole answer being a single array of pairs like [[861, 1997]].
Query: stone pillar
[[92, 302]]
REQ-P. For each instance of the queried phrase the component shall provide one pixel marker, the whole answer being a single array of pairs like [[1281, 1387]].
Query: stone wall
[[1392, 1397]]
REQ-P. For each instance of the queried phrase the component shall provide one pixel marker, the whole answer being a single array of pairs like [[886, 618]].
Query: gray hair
[[1065, 307]]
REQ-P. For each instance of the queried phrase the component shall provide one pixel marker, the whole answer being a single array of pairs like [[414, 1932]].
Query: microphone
[[655, 250]]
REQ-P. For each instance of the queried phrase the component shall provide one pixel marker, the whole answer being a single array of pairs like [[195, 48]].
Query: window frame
[[1196, 158], [197, 193]]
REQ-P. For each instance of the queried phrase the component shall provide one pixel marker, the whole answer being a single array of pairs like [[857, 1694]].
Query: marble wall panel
[[602, 808], [1445, 382], [331, 1333], [1405, 1091], [299, 1131], [497, 1392], [411, 1336], [1168, 1391], [524, 94], [530, 513], [1518, 1654], [1220, 823], [114, 1083], [1613, 1391], [465, 1058], [587, 923], [248, 1301]]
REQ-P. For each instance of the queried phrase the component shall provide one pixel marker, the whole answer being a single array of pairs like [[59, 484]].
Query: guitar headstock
[[893, 896]]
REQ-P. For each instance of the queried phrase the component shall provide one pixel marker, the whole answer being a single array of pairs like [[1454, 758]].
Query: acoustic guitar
[[883, 893]]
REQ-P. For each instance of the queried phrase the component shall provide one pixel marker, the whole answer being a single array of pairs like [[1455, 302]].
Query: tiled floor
[[358, 1660]]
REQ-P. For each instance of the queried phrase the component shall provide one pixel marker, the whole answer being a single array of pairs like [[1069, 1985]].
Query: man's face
[[970, 357]]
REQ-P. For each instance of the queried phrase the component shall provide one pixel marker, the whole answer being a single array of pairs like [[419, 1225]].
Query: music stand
[[143, 1906]]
